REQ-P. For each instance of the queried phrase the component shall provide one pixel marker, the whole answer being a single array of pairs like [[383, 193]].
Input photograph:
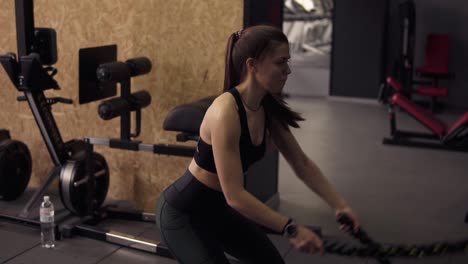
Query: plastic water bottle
[[46, 215]]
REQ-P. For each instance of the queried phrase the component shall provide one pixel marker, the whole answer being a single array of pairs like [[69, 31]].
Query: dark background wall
[[268, 12], [356, 59], [357, 51]]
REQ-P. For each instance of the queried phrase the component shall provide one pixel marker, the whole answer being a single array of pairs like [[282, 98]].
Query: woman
[[207, 211]]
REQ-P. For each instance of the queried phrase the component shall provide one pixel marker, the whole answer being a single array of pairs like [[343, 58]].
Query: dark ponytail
[[256, 42], [230, 76]]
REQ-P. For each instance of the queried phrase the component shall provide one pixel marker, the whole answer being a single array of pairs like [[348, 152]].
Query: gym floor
[[402, 195]]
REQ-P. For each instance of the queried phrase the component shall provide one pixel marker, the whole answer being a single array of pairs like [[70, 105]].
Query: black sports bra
[[249, 153]]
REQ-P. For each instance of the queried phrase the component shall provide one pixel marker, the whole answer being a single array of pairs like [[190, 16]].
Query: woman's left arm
[[307, 171]]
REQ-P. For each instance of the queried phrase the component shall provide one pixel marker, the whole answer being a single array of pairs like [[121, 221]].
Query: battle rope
[[382, 253]]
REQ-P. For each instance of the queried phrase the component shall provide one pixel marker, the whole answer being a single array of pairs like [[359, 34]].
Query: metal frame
[[162, 149]]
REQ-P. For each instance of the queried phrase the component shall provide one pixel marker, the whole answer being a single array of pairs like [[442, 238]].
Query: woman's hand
[[307, 241], [350, 213]]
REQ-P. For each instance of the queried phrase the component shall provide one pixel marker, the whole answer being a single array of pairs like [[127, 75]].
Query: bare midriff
[[207, 178]]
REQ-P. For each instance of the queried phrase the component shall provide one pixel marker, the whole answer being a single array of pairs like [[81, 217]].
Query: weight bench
[[454, 137], [187, 118]]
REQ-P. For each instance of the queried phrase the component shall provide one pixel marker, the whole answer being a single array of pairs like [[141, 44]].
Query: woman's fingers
[[310, 247], [307, 241]]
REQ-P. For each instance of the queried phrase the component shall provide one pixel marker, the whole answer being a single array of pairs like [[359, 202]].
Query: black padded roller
[[113, 108], [113, 72], [140, 99], [117, 106], [139, 66]]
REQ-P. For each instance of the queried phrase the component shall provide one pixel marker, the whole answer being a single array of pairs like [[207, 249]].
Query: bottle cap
[[46, 198]]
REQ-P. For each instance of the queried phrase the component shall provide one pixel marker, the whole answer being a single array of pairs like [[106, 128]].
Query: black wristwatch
[[290, 229]]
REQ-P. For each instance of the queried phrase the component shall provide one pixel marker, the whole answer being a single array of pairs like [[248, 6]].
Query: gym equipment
[[454, 137], [110, 72], [121, 72], [434, 69], [407, 24], [84, 174], [74, 180], [36, 48], [93, 188], [15, 167], [186, 119]]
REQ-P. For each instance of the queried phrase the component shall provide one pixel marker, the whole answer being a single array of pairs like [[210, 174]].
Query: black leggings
[[198, 227]]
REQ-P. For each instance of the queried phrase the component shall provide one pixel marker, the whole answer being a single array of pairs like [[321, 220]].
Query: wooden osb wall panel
[[184, 39]]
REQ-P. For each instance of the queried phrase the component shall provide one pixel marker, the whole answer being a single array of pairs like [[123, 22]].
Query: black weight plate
[[102, 182], [15, 169], [74, 195]]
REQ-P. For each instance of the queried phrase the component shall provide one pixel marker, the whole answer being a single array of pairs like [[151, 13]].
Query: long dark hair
[[257, 42]]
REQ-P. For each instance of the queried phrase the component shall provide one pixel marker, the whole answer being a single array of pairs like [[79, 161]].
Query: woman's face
[[272, 72]]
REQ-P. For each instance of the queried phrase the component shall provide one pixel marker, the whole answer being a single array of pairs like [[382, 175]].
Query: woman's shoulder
[[222, 110], [223, 105]]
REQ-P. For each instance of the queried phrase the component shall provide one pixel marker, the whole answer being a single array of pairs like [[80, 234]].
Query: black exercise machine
[[37, 47]]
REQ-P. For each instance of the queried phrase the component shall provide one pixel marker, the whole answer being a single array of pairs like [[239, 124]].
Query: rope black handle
[[360, 234], [364, 238]]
